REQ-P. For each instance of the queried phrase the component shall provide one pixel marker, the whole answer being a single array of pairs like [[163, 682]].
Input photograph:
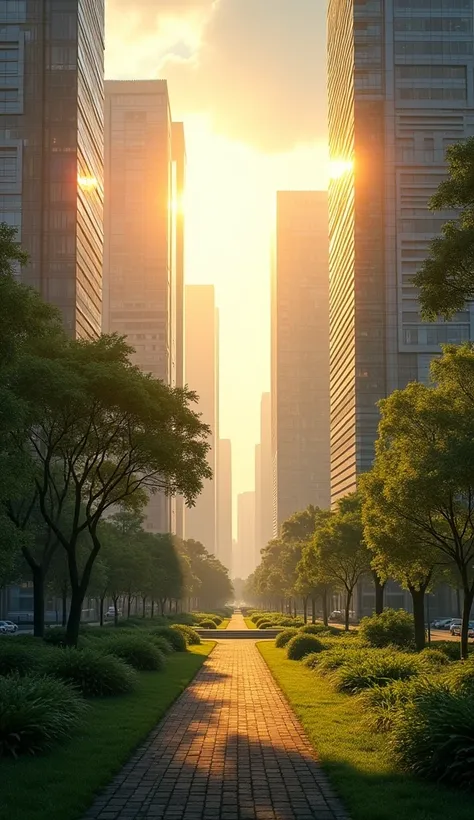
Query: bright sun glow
[[87, 183], [339, 167]]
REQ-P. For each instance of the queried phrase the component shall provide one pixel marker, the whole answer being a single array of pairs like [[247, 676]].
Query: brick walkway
[[229, 748]]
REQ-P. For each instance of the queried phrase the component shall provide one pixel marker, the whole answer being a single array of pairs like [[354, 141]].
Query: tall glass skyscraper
[[51, 149], [401, 90]]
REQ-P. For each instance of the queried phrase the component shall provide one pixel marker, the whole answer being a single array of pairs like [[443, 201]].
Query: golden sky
[[248, 78]]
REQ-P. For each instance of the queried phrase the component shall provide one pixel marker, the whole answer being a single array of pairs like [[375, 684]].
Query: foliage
[[206, 623], [35, 713], [460, 677], [375, 669], [138, 653], [301, 645], [285, 636], [94, 673], [391, 628], [381, 704], [448, 648], [446, 278], [173, 636], [433, 737], [163, 645], [319, 629], [19, 658], [55, 636], [190, 635], [434, 659]]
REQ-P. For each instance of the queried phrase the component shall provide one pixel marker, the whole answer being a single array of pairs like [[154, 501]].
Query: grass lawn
[[224, 624], [62, 784], [355, 759], [250, 623]]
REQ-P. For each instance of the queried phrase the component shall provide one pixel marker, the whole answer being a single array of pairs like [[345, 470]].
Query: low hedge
[[36, 713], [301, 645], [173, 636], [140, 654], [190, 635], [285, 636], [375, 669], [94, 673], [207, 624], [393, 627], [20, 659]]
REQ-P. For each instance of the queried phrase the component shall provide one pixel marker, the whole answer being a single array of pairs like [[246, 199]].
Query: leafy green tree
[[117, 435], [446, 278], [424, 457], [301, 526], [341, 549]]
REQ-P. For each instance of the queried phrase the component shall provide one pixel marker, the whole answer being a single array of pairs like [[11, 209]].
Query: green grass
[[355, 759], [62, 784], [250, 623], [224, 624]]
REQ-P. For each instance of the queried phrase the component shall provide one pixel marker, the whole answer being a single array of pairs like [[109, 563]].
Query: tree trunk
[[325, 607], [418, 598], [152, 608], [129, 605], [305, 609], [64, 607], [144, 597], [313, 610], [347, 610], [74, 620], [116, 618], [379, 591], [466, 612], [101, 610], [38, 601], [162, 606]]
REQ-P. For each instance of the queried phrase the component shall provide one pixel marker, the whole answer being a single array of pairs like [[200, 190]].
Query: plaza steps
[[233, 634]]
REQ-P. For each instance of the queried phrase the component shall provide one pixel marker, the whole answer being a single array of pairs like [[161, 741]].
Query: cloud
[[256, 67]]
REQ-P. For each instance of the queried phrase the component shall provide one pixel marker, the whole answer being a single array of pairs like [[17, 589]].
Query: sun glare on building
[[87, 183], [339, 167]]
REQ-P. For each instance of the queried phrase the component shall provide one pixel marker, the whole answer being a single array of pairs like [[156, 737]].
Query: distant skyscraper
[[224, 503], [400, 92], [200, 367], [300, 354], [244, 561], [258, 501], [143, 260], [266, 475], [51, 149]]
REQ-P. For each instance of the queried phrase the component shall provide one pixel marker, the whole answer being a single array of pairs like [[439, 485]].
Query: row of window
[[441, 47], [463, 25], [413, 5], [430, 72], [421, 93], [444, 334]]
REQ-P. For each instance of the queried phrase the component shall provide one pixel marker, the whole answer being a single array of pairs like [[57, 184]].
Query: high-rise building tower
[[400, 92], [201, 376], [244, 561], [265, 484], [51, 149], [300, 354], [224, 503], [143, 276]]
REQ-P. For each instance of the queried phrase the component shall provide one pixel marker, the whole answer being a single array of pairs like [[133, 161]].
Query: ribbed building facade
[[51, 149], [401, 76]]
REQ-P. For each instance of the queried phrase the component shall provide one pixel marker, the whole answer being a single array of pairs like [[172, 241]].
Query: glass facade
[[401, 76], [51, 149]]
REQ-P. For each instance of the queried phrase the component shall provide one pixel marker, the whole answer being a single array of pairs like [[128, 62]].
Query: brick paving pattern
[[229, 748]]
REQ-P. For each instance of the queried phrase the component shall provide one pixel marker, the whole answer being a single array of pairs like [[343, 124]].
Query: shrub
[[451, 649], [336, 656], [95, 674], [190, 635], [393, 627], [207, 624], [460, 677], [21, 659], [286, 635], [140, 654], [319, 629], [302, 645], [55, 636], [266, 625], [382, 703], [312, 660], [433, 737], [433, 659], [185, 618], [162, 644], [376, 669], [175, 638], [35, 713]]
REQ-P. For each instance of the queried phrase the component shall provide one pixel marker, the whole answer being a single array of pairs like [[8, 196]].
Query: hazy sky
[[248, 78]]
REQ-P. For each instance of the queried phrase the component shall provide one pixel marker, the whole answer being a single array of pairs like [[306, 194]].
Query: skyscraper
[[143, 276], [244, 563], [201, 375], [224, 503], [300, 354], [258, 501], [51, 149], [400, 92], [266, 474]]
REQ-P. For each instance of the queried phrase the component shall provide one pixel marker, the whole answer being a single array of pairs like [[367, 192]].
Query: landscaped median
[[61, 784], [388, 724]]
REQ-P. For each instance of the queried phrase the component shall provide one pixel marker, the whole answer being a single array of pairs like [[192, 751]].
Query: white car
[[111, 612], [8, 626]]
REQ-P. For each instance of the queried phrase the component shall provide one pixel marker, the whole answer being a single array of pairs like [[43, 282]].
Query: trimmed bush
[[452, 649], [286, 635], [433, 737], [162, 644], [376, 669], [312, 660], [173, 636], [335, 657], [302, 645], [267, 625], [433, 659], [185, 618], [190, 635], [140, 654], [55, 636], [382, 703], [460, 677], [319, 629], [207, 624], [393, 627], [35, 713], [20, 659], [95, 674]]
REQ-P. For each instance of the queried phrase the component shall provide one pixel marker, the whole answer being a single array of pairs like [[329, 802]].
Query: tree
[[424, 463], [397, 549], [446, 278], [301, 525], [341, 549], [116, 434]]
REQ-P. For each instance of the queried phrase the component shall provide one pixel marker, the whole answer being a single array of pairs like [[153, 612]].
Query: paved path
[[229, 749], [237, 622]]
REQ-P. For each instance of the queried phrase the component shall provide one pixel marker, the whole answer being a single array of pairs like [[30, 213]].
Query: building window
[[12, 11]]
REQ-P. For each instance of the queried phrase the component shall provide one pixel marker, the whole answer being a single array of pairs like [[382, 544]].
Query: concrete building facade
[[244, 561], [401, 90], [201, 376], [300, 355], [51, 149], [224, 503]]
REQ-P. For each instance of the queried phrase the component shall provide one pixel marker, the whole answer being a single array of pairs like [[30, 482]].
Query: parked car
[[339, 617], [111, 612], [455, 627], [3, 629], [442, 623], [9, 626]]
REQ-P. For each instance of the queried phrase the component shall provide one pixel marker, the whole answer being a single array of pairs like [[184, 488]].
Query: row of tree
[[412, 518], [84, 434]]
